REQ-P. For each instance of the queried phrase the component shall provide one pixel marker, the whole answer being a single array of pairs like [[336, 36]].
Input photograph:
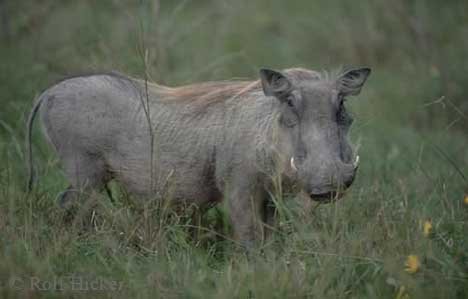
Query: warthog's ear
[[352, 80], [274, 83]]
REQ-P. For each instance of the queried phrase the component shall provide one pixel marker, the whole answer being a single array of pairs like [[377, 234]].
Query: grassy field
[[406, 207]]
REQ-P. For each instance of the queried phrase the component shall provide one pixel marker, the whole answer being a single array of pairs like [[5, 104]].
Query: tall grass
[[410, 120]]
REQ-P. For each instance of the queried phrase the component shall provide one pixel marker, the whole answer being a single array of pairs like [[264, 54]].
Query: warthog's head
[[313, 127]]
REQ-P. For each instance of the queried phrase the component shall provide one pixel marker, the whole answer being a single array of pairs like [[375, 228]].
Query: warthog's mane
[[206, 93]]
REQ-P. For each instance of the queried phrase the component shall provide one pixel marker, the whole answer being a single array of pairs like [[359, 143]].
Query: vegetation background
[[411, 122]]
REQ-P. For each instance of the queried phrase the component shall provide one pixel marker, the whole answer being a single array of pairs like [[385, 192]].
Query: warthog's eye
[[290, 114], [290, 101], [342, 116]]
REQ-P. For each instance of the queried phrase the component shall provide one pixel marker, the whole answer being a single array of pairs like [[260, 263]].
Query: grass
[[411, 121]]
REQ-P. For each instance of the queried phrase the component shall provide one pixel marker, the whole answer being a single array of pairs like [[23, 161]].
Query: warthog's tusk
[[356, 162], [293, 166]]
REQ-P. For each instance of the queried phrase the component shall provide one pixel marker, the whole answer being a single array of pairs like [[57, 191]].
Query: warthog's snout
[[333, 182]]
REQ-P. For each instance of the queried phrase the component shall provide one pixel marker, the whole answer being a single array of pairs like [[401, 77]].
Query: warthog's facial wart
[[313, 127]]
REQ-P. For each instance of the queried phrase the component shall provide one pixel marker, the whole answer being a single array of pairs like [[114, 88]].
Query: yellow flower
[[412, 264], [427, 227], [465, 200]]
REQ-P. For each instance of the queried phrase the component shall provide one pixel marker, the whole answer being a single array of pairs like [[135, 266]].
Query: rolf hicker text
[[72, 282]]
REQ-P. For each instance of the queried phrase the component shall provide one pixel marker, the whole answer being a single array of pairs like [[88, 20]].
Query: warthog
[[207, 142]]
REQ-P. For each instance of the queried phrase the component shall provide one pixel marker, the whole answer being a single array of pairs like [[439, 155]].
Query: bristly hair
[[206, 93]]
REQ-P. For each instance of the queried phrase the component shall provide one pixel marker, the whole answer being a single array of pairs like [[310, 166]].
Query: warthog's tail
[[32, 116]]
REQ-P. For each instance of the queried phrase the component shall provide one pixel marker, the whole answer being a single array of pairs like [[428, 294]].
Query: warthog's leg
[[246, 213], [85, 173]]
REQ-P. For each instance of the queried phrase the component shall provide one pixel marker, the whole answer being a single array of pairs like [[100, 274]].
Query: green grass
[[414, 152]]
